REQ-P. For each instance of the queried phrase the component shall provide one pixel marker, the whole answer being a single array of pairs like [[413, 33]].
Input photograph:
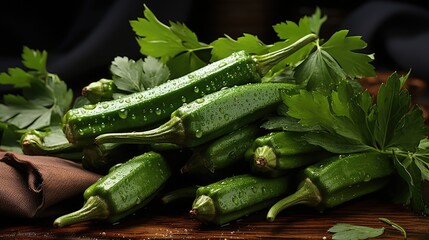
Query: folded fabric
[[40, 186]]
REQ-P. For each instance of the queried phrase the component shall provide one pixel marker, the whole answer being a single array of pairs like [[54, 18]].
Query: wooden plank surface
[[173, 222]]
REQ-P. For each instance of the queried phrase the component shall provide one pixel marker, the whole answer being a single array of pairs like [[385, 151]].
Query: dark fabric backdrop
[[83, 37]]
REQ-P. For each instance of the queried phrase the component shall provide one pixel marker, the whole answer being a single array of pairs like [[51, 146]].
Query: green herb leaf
[[344, 231], [166, 42], [225, 46], [136, 76], [335, 61], [43, 100], [353, 116]]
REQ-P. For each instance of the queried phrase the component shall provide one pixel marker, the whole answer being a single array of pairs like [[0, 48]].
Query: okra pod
[[100, 158], [148, 108], [218, 156], [35, 142], [209, 117], [121, 192], [278, 152], [237, 196], [101, 90], [338, 179]]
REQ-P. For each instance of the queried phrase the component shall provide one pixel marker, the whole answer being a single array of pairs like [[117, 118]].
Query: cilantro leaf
[[341, 48], [225, 46], [44, 99], [167, 42], [393, 115], [333, 62], [343, 231], [136, 76], [16, 77], [34, 59], [44, 107], [388, 123]]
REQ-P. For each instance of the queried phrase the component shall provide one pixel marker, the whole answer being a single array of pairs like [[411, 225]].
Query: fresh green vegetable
[[277, 152], [98, 91], [187, 192], [100, 158], [209, 117], [50, 143], [122, 191], [219, 156], [144, 109], [237, 196], [338, 179]]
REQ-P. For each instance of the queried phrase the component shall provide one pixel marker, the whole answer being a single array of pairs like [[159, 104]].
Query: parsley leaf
[[353, 117], [333, 62], [344, 231], [167, 42], [44, 99], [224, 47], [136, 76], [290, 32], [351, 121]]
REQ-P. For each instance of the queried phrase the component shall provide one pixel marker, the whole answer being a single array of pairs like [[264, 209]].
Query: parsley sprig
[[349, 120], [45, 97]]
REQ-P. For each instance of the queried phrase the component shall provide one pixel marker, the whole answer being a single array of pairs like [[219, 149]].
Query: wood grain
[[173, 222]]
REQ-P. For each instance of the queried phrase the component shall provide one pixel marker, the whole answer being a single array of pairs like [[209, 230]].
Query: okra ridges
[[141, 110]]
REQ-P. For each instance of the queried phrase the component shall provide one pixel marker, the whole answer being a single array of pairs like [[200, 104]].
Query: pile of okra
[[203, 138]]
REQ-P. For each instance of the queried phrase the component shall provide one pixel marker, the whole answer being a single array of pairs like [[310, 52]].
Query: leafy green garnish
[[177, 46], [350, 121], [335, 61], [344, 231], [136, 76], [45, 97], [168, 42], [225, 46]]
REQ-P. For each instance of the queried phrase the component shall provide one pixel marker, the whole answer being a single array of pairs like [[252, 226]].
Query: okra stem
[[94, 208], [204, 208], [170, 132], [267, 61], [265, 157], [307, 193], [181, 193]]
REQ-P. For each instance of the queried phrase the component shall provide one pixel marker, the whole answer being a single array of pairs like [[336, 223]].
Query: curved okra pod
[[121, 192], [336, 180]]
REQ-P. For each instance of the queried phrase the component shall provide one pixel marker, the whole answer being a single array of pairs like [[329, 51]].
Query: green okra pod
[[237, 196], [210, 117], [125, 189], [148, 108], [101, 90], [338, 179], [279, 152], [50, 143], [218, 157]]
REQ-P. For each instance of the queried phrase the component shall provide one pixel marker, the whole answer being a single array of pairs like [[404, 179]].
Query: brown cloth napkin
[[40, 186]]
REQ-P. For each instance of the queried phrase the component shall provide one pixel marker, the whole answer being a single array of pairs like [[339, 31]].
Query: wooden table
[[173, 222]]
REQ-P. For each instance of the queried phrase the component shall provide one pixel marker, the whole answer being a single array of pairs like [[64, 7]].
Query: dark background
[[83, 37]]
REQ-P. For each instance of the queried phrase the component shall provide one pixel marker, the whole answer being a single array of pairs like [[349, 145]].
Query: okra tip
[[307, 193], [94, 208]]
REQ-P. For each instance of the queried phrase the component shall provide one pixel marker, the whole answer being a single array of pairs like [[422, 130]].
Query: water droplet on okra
[[123, 113]]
